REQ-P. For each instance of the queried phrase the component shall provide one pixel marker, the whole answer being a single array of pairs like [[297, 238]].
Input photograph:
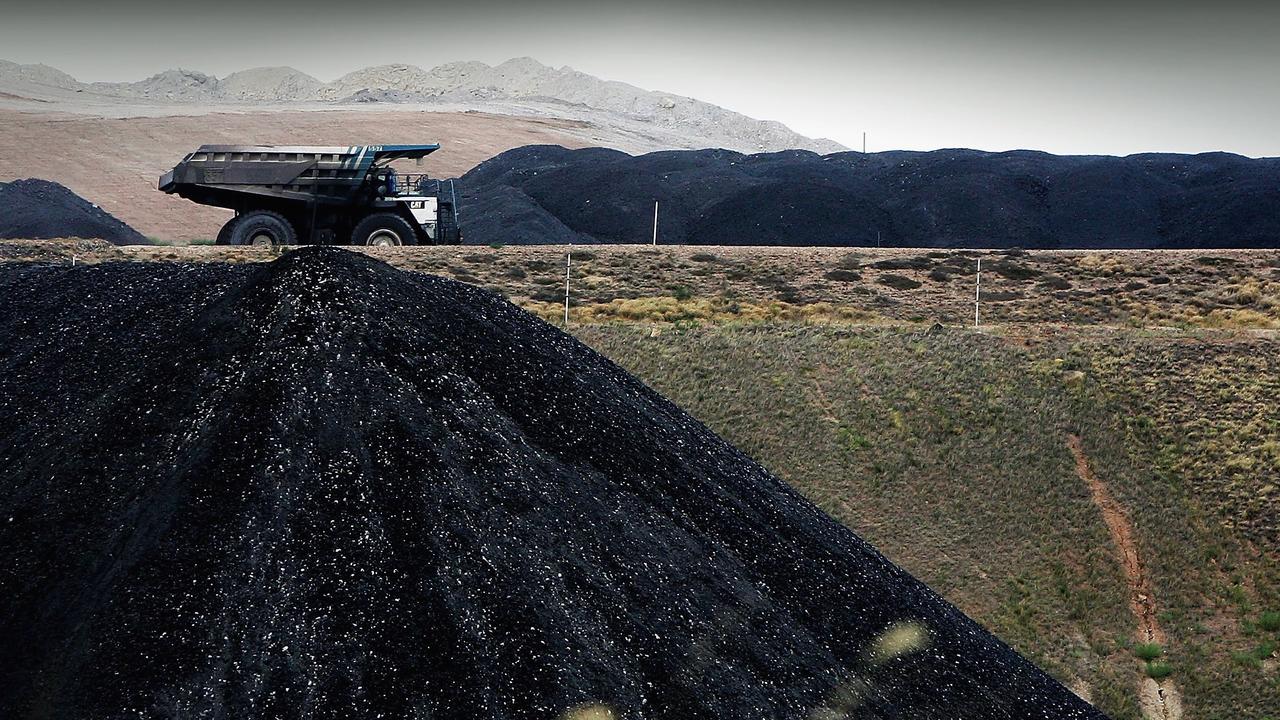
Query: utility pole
[[655, 222], [568, 260], [977, 293]]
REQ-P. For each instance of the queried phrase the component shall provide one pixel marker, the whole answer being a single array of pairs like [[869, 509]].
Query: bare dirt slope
[[115, 162]]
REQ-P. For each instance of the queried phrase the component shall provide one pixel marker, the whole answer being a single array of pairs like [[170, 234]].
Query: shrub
[[1147, 651], [1000, 295], [915, 263], [1269, 621], [1245, 658], [497, 245], [843, 275], [1014, 271], [478, 258], [939, 275], [515, 272], [1210, 260], [851, 261], [852, 440], [1157, 670], [898, 282], [703, 257], [1057, 282], [548, 294]]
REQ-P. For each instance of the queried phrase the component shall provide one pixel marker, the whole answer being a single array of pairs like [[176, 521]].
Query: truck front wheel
[[262, 227], [383, 229]]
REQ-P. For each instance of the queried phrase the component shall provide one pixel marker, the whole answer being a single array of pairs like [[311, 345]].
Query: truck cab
[[429, 202]]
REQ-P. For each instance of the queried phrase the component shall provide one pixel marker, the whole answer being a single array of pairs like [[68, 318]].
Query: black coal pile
[[39, 209], [946, 198], [327, 488]]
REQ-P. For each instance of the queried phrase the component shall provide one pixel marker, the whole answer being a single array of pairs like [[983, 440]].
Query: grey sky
[[1082, 77]]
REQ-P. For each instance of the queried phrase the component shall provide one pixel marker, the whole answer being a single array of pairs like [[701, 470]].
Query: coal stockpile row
[[946, 198], [39, 209], [323, 487]]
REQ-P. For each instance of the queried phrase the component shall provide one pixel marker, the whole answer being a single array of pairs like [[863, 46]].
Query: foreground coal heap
[[327, 488]]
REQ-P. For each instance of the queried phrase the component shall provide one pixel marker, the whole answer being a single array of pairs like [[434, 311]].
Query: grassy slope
[[1187, 289], [947, 451]]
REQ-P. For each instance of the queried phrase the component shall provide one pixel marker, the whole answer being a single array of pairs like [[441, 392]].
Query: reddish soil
[[1159, 700]]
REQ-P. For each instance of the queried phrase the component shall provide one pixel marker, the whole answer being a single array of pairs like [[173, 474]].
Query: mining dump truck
[[285, 195]]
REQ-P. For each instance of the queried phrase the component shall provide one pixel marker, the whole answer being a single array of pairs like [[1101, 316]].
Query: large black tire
[[384, 229], [224, 235], [263, 227]]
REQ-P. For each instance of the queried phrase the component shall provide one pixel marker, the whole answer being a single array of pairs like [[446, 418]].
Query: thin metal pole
[[655, 222], [568, 259], [977, 294], [864, 142]]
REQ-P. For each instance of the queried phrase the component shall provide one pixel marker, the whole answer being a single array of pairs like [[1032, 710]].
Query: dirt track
[[1160, 699]]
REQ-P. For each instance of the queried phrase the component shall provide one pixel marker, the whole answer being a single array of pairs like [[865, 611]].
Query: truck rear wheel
[[383, 229], [262, 227], [224, 235]]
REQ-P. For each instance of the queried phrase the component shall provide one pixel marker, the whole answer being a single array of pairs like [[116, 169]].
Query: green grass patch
[[1269, 621], [1147, 651]]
